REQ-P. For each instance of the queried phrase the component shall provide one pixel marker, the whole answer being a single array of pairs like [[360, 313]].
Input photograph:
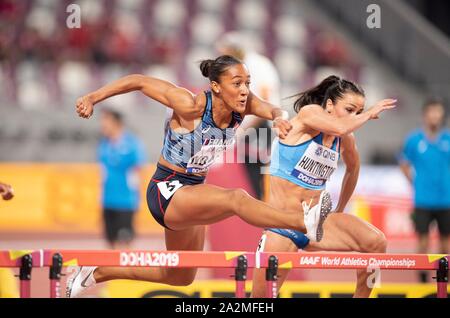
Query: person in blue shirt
[[425, 161], [120, 154]]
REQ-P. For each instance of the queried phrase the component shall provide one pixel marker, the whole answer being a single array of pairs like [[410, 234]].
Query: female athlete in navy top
[[303, 162], [201, 127]]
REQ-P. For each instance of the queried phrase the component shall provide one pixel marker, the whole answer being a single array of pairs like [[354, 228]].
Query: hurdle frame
[[442, 278], [25, 276], [55, 276], [272, 277], [240, 276], [55, 260]]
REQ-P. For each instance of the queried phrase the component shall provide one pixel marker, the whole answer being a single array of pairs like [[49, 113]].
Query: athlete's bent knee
[[376, 243], [236, 198]]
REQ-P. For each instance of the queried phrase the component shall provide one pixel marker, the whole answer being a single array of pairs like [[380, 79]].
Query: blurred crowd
[[32, 31], [42, 61]]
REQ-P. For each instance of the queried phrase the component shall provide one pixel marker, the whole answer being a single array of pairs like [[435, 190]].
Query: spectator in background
[[121, 155], [265, 83], [426, 163]]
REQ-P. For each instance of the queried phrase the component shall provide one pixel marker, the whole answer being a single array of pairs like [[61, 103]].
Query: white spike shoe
[[80, 281], [316, 215]]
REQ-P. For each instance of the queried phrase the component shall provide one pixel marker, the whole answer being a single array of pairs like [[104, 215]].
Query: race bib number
[[168, 188], [202, 160], [211, 150], [316, 165]]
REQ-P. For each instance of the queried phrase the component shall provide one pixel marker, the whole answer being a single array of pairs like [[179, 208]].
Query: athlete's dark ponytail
[[331, 87], [212, 69]]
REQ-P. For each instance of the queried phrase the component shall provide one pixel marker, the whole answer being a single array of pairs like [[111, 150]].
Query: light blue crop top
[[309, 164]]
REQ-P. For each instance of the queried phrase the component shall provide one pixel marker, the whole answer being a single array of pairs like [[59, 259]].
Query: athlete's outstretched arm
[[350, 156], [317, 118], [262, 109], [179, 99]]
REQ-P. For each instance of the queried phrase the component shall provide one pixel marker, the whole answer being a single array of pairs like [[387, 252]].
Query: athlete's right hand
[[85, 107], [6, 191], [381, 106]]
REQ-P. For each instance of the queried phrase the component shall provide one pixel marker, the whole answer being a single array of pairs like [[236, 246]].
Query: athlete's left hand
[[282, 127]]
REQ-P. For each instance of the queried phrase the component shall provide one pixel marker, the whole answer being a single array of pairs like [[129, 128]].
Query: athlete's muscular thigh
[[199, 204], [344, 232]]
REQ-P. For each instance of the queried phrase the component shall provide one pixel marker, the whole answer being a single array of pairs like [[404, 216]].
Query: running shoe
[[81, 280], [316, 215]]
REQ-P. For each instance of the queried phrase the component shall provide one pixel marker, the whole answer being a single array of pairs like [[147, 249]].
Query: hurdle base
[[442, 278]]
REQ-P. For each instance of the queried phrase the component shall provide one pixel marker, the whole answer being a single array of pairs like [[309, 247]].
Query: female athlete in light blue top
[[303, 162], [200, 128], [308, 164]]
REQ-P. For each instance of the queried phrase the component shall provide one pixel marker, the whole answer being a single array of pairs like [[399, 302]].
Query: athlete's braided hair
[[331, 87]]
